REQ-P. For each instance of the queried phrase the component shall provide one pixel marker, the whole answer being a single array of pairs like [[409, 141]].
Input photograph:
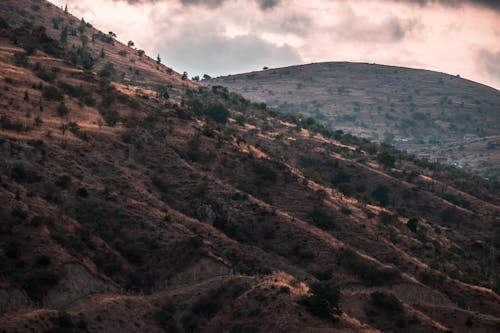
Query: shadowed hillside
[[191, 209], [434, 115]]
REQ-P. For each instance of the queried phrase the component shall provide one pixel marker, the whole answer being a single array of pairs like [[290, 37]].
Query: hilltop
[[436, 116], [165, 205]]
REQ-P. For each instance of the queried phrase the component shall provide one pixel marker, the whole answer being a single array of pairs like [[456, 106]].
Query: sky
[[219, 37]]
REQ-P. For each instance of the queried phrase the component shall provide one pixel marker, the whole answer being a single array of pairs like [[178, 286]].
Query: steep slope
[[434, 115], [127, 211]]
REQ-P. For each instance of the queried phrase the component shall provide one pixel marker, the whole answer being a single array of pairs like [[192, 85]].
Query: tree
[[64, 35], [206, 77], [195, 78], [323, 300], [140, 53], [184, 76], [386, 159], [62, 109], [158, 59], [112, 34], [66, 9], [381, 194], [130, 43], [412, 224]]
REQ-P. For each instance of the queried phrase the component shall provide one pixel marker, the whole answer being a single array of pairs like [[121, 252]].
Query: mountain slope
[[126, 210], [435, 115]]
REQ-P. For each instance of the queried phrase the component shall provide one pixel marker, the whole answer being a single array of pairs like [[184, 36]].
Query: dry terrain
[[434, 115], [157, 204]]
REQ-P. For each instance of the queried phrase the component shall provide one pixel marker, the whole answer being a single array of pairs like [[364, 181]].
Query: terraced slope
[[124, 210], [437, 116]]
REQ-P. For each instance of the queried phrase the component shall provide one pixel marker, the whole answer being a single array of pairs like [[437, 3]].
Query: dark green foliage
[[51, 93], [63, 181], [369, 272], [323, 299], [62, 109], [265, 171], [345, 211], [381, 194], [7, 123], [22, 174], [165, 318], [386, 159], [387, 302], [456, 200], [412, 224], [341, 177], [323, 275], [82, 192], [450, 215], [431, 278], [386, 217], [217, 112], [321, 218], [79, 92], [193, 152]]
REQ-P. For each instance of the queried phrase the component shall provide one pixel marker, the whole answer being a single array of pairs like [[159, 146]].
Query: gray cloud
[[489, 63], [492, 4], [354, 28], [214, 54], [263, 4]]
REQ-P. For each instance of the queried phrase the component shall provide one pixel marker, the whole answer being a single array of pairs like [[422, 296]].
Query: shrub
[[321, 218], [165, 318], [52, 93], [341, 177], [7, 123], [63, 181], [345, 211], [412, 224], [449, 215], [386, 217], [386, 159], [388, 302], [323, 275], [23, 175], [381, 194], [62, 109], [323, 299], [82, 192], [217, 112]]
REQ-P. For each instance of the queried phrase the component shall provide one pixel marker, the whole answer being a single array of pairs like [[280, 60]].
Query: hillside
[[433, 115], [127, 207]]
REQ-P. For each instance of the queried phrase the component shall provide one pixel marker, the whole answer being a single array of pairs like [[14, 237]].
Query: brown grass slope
[[123, 210], [421, 111]]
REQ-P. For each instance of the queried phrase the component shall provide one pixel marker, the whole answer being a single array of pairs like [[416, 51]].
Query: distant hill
[[434, 115], [157, 204]]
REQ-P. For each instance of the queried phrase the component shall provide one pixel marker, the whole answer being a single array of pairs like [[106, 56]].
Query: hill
[[437, 116], [192, 209]]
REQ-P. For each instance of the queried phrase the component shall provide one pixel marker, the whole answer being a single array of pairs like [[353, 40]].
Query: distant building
[[470, 137]]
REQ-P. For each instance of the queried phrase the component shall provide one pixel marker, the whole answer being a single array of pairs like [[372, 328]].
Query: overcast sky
[[220, 37]]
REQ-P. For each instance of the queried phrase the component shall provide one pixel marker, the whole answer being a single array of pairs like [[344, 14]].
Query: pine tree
[[66, 9], [64, 35]]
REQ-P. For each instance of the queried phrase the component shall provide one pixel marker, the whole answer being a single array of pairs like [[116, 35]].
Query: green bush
[[217, 112], [62, 109], [388, 302], [321, 218], [323, 299], [381, 194], [165, 317], [52, 93]]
